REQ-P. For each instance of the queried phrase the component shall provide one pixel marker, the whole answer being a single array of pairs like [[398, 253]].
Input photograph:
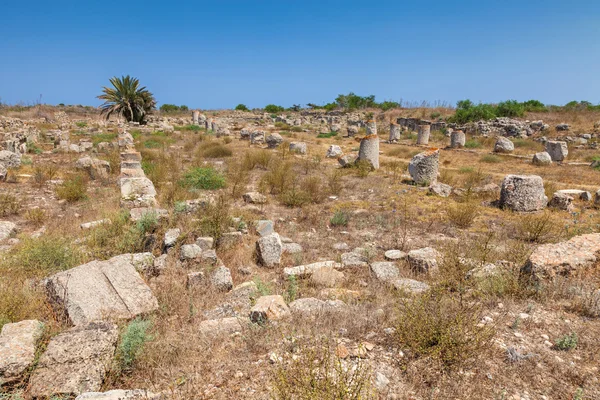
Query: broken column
[[558, 150], [423, 135], [457, 139], [371, 127], [195, 116], [369, 150], [394, 132], [423, 167], [523, 193]]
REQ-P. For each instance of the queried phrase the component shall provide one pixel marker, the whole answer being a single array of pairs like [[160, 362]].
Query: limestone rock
[[7, 229], [558, 150], [171, 237], [101, 290], [541, 158], [311, 307], [221, 279], [220, 328], [440, 189], [394, 255], [10, 159], [96, 169], [561, 201], [205, 243], [76, 361], [523, 193], [255, 198], [327, 277], [137, 192], [265, 227], [298, 147], [308, 269], [269, 308], [423, 260], [17, 348], [136, 394], [385, 270], [190, 252], [274, 140], [457, 139], [564, 259], [229, 240], [334, 151], [504, 145], [269, 250], [354, 259], [410, 285], [369, 150]]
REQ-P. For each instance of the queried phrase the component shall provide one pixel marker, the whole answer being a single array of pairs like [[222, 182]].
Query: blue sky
[[220, 53]]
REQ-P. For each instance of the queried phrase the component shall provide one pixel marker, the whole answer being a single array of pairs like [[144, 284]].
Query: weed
[[291, 292], [42, 174], [537, 228], [326, 135], [214, 217], [491, 159], [206, 178], [472, 144], [37, 216], [213, 150], [133, 339], [73, 189], [317, 373], [567, 342], [340, 218], [261, 287], [9, 204], [462, 215]]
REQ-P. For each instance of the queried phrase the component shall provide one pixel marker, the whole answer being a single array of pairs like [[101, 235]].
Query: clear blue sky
[[220, 53]]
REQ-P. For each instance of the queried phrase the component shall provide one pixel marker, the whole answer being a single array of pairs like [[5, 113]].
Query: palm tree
[[128, 99]]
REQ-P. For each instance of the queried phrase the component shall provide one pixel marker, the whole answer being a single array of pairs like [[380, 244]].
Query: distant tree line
[[172, 108]]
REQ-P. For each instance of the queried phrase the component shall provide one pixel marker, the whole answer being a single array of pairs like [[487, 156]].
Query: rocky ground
[[298, 256]]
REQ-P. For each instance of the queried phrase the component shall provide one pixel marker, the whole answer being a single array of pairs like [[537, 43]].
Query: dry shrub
[[9, 204], [317, 373], [279, 177], [20, 301], [257, 158], [334, 182], [43, 173], [462, 215], [215, 217], [442, 328], [538, 227], [363, 168], [116, 237], [237, 177], [73, 189], [394, 168], [311, 164], [210, 149], [37, 216]]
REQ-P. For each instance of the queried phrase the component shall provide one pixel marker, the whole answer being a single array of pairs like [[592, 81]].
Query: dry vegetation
[[456, 341]]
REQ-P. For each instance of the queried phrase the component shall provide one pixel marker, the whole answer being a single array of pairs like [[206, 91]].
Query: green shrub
[[510, 109], [327, 135], [273, 109], [472, 144], [81, 124], [340, 218], [242, 107], [132, 342], [193, 128], [491, 159], [567, 342], [206, 178], [42, 256], [171, 108], [73, 189]]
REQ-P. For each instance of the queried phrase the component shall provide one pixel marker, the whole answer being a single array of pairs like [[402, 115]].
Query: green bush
[[491, 159], [340, 218], [171, 108], [327, 135], [273, 109], [133, 339], [472, 144], [510, 108], [567, 342], [9, 204], [242, 107], [206, 178]]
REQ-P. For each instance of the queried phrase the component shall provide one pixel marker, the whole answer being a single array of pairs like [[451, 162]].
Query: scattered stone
[[334, 151], [229, 240], [7, 229], [255, 198], [394, 255], [423, 167], [561, 201], [194, 279], [563, 259], [101, 290], [274, 140], [269, 250], [10, 159], [541, 158], [523, 193], [298, 147], [385, 271], [558, 150], [136, 394], [96, 169], [190, 252], [410, 285], [563, 127], [423, 260], [210, 257], [312, 307], [292, 248], [504, 145], [440, 189], [221, 279], [205, 243], [327, 277], [269, 308], [347, 160], [220, 328], [17, 348], [93, 224], [303, 271], [340, 246], [76, 361], [265, 227], [171, 237], [354, 259]]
